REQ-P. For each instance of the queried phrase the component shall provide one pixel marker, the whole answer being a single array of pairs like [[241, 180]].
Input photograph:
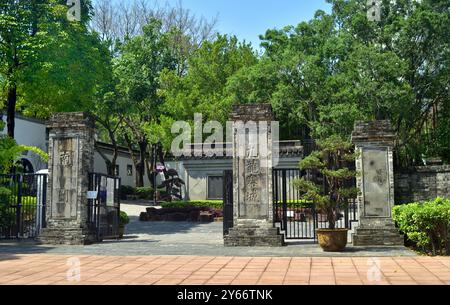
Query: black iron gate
[[22, 205], [104, 205], [298, 218], [227, 201]]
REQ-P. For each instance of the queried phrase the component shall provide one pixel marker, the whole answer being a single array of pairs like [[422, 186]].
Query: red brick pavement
[[188, 270]]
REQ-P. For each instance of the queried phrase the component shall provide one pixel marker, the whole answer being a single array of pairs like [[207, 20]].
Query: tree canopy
[[138, 69]]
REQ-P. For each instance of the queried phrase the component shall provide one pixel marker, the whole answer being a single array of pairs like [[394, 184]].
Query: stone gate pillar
[[71, 159], [252, 177], [374, 143]]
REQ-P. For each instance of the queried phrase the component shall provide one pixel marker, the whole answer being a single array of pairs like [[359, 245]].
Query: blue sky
[[247, 19]]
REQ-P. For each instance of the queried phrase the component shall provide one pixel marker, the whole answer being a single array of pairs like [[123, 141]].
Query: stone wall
[[422, 183]]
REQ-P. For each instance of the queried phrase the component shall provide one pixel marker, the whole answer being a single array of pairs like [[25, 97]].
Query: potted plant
[[123, 221], [332, 193]]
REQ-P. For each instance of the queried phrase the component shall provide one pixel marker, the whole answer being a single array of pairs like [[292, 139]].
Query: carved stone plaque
[[376, 182], [66, 158], [64, 178]]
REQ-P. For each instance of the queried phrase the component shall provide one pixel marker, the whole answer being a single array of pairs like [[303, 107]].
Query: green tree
[[203, 88], [330, 160], [324, 74], [10, 151], [138, 70], [47, 63]]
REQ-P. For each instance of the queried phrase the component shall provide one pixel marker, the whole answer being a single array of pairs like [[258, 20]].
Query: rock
[[194, 215], [144, 217], [206, 217]]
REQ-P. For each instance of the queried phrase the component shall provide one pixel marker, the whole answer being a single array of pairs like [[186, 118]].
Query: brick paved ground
[[53, 269]]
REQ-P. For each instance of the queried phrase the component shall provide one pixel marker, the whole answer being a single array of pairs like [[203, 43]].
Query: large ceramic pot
[[332, 240]]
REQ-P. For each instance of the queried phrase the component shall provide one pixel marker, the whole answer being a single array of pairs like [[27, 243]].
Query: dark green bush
[[144, 193], [7, 216], [214, 204], [426, 224], [127, 190]]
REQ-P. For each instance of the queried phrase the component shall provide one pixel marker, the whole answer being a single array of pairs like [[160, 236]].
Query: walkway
[[187, 238], [62, 269]]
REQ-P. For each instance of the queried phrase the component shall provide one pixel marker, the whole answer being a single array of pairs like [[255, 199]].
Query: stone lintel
[[252, 112], [73, 120], [374, 132]]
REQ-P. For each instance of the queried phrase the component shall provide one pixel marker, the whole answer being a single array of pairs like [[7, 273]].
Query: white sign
[[110, 185], [92, 195]]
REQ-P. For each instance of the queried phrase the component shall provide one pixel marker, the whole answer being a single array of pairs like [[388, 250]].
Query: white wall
[[31, 133], [123, 160]]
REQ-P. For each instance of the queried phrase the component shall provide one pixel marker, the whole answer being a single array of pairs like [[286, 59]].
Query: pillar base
[[378, 236], [66, 236], [254, 233]]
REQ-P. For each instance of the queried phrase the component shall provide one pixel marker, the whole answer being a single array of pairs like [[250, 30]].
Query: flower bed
[[203, 211]]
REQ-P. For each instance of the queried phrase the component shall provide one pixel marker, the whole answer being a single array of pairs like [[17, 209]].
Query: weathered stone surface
[[252, 178], [254, 233], [422, 183], [374, 142], [71, 157], [252, 112]]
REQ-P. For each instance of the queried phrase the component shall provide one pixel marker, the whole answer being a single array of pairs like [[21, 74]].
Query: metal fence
[[104, 205], [298, 218], [22, 205], [228, 220]]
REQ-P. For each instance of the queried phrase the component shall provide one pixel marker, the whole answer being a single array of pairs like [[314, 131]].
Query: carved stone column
[[252, 178], [71, 159], [374, 143]]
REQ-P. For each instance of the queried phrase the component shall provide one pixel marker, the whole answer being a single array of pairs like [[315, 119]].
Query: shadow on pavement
[[163, 227]]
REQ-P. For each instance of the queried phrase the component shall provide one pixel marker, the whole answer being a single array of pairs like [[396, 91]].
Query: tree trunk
[[331, 219], [138, 178], [108, 163], [140, 169], [150, 168], [115, 151], [11, 110]]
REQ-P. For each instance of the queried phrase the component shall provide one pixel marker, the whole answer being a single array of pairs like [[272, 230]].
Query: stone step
[[246, 236], [371, 240], [258, 241], [70, 236], [376, 232]]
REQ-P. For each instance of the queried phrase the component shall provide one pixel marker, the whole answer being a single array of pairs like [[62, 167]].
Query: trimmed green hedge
[[144, 192], [426, 224], [297, 203], [218, 204], [214, 204]]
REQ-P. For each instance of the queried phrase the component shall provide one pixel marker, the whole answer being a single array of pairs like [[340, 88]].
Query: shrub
[[126, 190], [124, 219], [144, 193], [7, 216], [331, 161], [426, 224], [214, 204]]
